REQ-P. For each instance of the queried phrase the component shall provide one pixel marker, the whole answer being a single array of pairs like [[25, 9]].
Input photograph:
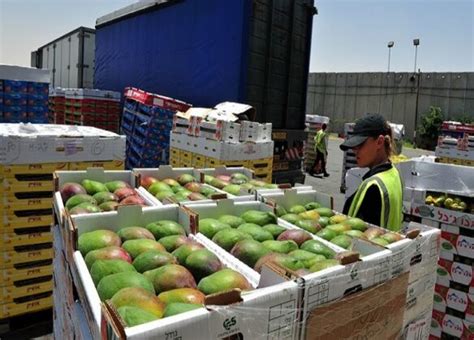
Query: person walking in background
[[378, 199], [321, 149]]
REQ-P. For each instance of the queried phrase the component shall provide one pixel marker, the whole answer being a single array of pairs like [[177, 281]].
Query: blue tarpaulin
[[192, 50]]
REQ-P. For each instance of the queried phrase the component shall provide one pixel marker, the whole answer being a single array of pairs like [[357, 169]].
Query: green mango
[[343, 241], [182, 252], [137, 247], [281, 246], [318, 248], [338, 228], [321, 265], [202, 263], [114, 185], [380, 241], [233, 221], [283, 260], [326, 234], [291, 218], [306, 257], [224, 279], [227, 238], [97, 239], [312, 205], [274, 229], [134, 316], [163, 228], [259, 217], [309, 225], [323, 221], [210, 226], [78, 199], [255, 231], [103, 268], [140, 298], [93, 187], [111, 284], [104, 196], [249, 251], [280, 210], [356, 224], [355, 233], [326, 212], [296, 209], [134, 233], [152, 259], [172, 242], [176, 308]]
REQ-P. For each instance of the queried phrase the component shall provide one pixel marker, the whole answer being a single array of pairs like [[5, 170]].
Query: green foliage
[[429, 128], [464, 118]]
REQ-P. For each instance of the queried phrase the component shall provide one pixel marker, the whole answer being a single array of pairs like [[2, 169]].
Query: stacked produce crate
[[313, 125], [57, 105], [90, 107], [23, 94], [449, 206], [147, 121], [456, 144], [206, 138], [29, 154]]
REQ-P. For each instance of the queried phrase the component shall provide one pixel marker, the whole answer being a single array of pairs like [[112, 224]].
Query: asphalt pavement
[[331, 185]]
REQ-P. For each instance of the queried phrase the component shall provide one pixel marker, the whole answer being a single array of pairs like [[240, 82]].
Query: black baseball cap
[[371, 125]]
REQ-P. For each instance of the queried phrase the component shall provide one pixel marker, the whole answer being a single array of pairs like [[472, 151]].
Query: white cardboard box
[[255, 132], [21, 73], [45, 143]]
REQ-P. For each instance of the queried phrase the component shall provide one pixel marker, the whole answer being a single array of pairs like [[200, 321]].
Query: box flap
[[237, 109]]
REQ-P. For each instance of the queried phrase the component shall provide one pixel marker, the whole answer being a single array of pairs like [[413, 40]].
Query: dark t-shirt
[[371, 206]]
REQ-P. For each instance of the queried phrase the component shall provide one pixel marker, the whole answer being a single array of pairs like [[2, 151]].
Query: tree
[[429, 128]]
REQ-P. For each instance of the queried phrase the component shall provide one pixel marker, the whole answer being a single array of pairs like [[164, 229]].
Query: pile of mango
[[449, 202], [155, 271], [338, 229], [93, 196], [255, 238], [233, 183], [183, 188]]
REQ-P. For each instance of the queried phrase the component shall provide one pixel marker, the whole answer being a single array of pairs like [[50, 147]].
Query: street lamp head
[[390, 44], [416, 42]]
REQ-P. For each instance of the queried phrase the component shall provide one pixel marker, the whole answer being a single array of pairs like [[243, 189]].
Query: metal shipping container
[[70, 59], [208, 51]]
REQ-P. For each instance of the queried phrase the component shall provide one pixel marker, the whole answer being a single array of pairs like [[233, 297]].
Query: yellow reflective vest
[[390, 186]]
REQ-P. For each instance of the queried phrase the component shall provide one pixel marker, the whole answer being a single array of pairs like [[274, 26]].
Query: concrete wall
[[346, 96]]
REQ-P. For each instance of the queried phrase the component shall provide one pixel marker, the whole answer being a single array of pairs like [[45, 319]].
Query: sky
[[348, 35]]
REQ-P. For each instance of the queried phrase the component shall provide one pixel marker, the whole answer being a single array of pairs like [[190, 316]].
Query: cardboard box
[[456, 274], [419, 299], [9, 241], [10, 294], [255, 132], [446, 298], [34, 303], [10, 275], [456, 241], [10, 222], [376, 313], [26, 74], [29, 144], [418, 328], [13, 258], [220, 130], [443, 324]]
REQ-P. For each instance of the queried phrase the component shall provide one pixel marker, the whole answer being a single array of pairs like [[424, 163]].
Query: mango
[[107, 253], [297, 209], [373, 232], [233, 189], [202, 263], [161, 195], [391, 237], [323, 221], [182, 295], [172, 242], [78, 199], [255, 231], [207, 191], [152, 259], [249, 251], [176, 308], [172, 183], [274, 229], [223, 280], [233, 221], [238, 178], [259, 217], [89, 207], [97, 239], [217, 183], [306, 257], [356, 223], [182, 252], [68, 190], [157, 187], [170, 276], [280, 210], [93, 187], [312, 205], [336, 219], [296, 235], [141, 298], [105, 196], [227, 238], [134, 233], [134, 316], [103, 268], [338, 228], [185, 179], [291, 218], [109, 206], [311, 226], [280, 246], [343, 241], [317, 247], [78, 211], [355, 233], [111, 284], [380, 241], [323, 264], [310, 215], [137, 247], [324, 212], [326, 234], [210, 226], [112, 186], [283, 260], [165, 228]]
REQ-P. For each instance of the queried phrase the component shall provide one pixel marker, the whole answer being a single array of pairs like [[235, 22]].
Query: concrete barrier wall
[[346, 96]]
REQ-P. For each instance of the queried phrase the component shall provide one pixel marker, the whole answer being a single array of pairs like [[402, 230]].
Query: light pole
[[389, 45], [416, 43]]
